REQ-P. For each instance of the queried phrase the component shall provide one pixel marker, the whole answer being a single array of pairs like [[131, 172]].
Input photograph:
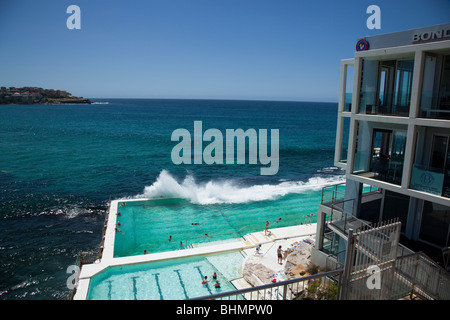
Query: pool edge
[[88, 271]]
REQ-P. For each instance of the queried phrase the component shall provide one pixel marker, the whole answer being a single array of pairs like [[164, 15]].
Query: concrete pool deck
[[247, 242]]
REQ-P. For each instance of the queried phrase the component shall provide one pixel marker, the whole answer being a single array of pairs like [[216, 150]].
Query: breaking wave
[[212, 192]]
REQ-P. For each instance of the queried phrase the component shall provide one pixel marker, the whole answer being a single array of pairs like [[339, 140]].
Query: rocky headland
[[34, 95]]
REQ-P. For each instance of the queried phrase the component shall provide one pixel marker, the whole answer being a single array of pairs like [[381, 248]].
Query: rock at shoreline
[[69, 101], [257, 274], [298, 263]]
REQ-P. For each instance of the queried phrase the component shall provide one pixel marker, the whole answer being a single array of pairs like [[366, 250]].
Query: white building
[[393, 133]]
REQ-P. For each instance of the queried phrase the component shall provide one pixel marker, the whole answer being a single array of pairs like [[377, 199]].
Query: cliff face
[[33, 95]]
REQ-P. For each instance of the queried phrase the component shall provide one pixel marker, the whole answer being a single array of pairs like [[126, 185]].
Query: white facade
[[394, 131]]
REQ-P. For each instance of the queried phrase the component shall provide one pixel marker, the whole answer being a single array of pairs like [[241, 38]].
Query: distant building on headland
[[34, 95]]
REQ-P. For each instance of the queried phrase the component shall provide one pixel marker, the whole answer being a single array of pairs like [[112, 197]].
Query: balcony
[[382, 158], [386, 87], [341, 216], [384, 169], [435, 96]]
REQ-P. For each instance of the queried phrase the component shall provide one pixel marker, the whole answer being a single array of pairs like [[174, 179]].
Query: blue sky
[[220, 49]]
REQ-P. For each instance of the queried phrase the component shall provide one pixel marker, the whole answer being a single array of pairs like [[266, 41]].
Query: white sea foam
[[166, 186]]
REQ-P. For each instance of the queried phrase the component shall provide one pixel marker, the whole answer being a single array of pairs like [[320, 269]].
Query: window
[[333, 244], [438, 153], [348, 89], [396, 205], [382, 90], [435, 224], [386, 87], [403, 87], [432, 173], [380, 153], [388, 152], [435, 95], [344, 144]]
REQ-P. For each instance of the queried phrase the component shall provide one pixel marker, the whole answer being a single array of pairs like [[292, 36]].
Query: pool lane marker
[[109, 290], [181, 282], [201, 275], [134, 287], [159, 288]]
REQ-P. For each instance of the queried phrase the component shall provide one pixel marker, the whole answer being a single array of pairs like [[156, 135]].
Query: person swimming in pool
[[205, 280], [217, 284], [196, 223]]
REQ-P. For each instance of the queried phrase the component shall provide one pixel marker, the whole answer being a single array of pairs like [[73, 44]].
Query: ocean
[[60, 165]]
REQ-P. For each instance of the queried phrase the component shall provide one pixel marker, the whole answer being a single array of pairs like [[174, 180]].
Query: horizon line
[[214, 99]]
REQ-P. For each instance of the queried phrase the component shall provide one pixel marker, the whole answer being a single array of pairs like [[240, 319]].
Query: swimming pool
[[146, 226], [174, 279]]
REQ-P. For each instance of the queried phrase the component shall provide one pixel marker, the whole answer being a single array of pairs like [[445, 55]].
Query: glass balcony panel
[[348, 89], [435, 95], [386, 87], [344, 145], [348, 102], [385, 161]]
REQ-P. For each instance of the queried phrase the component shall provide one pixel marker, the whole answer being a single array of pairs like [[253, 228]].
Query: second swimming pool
[[174, 279]]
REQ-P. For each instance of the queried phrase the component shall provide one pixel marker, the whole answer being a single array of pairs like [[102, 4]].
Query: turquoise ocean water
[[59, 165]]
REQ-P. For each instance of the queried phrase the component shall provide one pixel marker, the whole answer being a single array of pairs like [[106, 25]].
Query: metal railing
[[331, 193], [414, 273], [323, 286], [419, 274]]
